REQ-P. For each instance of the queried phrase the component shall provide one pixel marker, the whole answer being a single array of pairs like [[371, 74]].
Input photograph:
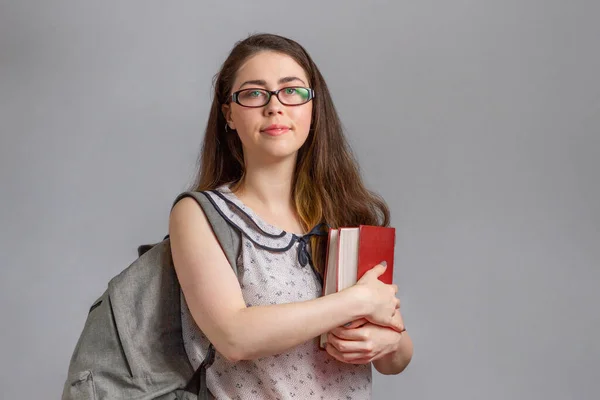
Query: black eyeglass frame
[[235, 96]]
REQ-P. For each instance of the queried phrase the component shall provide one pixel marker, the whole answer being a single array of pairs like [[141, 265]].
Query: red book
[[353, 251]]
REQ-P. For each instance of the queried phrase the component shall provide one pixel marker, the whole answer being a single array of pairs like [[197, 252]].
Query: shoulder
[[185, 205], [195, 248], [187, 216], [199, 227]]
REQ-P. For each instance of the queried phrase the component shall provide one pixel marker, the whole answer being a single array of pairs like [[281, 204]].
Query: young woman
[[277, 165]]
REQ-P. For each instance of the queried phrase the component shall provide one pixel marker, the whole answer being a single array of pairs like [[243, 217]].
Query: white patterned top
[[271, 272]]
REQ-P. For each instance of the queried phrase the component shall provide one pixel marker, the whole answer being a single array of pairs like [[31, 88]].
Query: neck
[[269, 184]]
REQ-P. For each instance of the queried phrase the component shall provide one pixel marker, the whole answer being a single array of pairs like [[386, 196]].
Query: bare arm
[[395, 362], [213, 294]]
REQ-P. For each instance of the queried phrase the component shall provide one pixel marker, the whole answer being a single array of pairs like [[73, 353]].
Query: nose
[[274, 106]]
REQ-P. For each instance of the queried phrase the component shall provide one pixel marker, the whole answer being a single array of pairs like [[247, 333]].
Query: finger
[[349, 358], [378, 269], [401, 322], [346, 346], [398, 315], [397, 323], [350, 334], [355, 324]]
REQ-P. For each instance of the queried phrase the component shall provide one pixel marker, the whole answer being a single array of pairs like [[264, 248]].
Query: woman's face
[[260, 139]]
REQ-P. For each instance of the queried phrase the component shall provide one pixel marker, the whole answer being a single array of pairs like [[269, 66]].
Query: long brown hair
[[327, 185]]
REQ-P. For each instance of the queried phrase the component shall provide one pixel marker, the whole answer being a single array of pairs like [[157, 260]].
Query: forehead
[[270, 67]]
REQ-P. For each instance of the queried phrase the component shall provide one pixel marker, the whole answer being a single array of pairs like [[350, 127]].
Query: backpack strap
[[230, 240]]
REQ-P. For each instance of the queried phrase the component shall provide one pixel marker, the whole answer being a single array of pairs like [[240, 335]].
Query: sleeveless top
[[273, 268]]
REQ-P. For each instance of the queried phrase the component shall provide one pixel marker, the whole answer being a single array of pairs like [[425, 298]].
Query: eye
[[290, 90], [255, 93]]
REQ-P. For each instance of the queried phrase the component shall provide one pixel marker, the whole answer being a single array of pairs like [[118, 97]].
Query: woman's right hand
[[381, 298]]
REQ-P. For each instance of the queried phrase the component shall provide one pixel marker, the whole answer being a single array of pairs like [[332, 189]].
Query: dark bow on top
[[303, 254]]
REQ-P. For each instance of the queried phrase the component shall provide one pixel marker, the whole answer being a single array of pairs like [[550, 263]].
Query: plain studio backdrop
[[478, 121]]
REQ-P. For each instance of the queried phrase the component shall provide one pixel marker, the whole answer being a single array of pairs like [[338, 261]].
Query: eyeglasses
[[289, 96]]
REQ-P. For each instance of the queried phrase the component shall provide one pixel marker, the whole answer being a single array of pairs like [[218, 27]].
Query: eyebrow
[[261, 82]]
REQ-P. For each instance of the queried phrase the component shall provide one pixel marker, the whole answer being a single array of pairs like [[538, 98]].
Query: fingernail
[[384, 263]]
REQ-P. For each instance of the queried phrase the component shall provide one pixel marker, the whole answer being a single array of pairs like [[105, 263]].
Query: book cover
[[376, 244], [351, 252]]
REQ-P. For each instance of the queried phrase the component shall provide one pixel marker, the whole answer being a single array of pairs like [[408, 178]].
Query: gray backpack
[[131, 346]]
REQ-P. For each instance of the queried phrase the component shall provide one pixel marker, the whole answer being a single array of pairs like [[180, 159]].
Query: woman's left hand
[[362, 342]]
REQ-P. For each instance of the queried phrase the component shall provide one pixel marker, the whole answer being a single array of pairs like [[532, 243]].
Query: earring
[[226, 127]]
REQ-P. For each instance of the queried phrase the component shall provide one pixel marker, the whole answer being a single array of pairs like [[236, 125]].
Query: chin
[[275, 149], [278, 153]]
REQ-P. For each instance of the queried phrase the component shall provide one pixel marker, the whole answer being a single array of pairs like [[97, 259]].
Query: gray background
[[479, 121]]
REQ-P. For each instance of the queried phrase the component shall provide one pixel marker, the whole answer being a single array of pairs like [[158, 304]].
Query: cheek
[[303, 119], [247, 121], [248, 116]]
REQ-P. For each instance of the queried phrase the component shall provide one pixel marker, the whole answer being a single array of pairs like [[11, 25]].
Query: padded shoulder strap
[[227, 235]]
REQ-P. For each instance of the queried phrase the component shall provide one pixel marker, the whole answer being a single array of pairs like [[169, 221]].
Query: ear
[[226, 110]]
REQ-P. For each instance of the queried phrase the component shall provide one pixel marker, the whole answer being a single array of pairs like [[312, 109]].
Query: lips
[[275, 129]]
